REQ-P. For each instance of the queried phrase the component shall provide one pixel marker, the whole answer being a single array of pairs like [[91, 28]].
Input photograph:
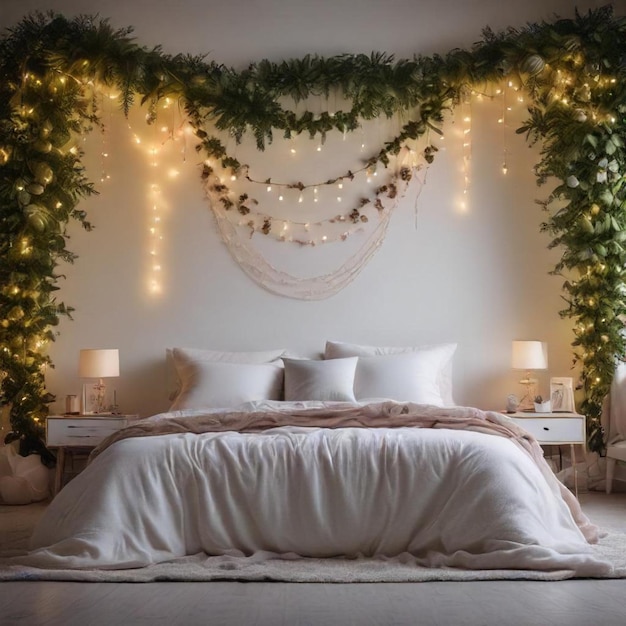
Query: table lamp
[[98, 364], [527, 356]]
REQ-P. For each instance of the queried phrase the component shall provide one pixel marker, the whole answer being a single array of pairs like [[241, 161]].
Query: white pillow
[[409, 377], [437, 357], [214, 384], [185, 360], [331, 380]]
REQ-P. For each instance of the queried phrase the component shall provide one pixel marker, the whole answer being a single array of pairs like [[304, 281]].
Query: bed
[[314, 468]]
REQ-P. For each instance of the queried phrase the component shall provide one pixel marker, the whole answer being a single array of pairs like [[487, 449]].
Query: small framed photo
[[562, 395]]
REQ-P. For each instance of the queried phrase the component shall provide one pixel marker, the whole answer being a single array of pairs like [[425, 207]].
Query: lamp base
[[93, 399], [527, 403]]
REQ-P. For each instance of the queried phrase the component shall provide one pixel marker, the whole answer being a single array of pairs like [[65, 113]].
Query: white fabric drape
[[616, 424]]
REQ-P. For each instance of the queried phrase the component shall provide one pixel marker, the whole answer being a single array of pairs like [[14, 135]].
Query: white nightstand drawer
[[85, 431], [549, 430]]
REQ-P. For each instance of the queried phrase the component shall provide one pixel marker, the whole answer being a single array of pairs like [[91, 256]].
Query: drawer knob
[[546, 428]]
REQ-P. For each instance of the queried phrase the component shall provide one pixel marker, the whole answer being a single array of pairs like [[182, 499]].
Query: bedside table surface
[[534, 414]]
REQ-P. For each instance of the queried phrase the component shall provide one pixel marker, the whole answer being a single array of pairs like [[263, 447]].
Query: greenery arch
[[574, 70]]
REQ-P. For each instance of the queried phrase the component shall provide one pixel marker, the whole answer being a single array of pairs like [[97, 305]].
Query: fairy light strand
[[466, 154]]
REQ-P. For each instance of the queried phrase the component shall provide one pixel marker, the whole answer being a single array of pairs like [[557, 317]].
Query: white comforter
[[449, 498]]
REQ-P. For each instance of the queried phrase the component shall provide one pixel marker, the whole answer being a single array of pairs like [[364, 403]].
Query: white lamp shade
[[529, 355], [99, 363]]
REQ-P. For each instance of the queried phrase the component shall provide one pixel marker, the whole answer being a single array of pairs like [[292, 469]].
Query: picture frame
[[562, 394]]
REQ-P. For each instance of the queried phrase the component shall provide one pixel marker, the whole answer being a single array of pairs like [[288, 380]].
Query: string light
[[466, 135], [153, 150], [107, 106]]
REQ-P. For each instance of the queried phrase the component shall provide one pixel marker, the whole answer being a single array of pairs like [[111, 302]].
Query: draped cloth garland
[[284, 283], [240, 237]]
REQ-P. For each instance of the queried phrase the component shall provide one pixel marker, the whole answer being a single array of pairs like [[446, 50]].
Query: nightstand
[[554, 429], [79, 433]]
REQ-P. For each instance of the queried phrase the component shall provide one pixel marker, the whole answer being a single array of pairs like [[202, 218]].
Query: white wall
[[479, 278]]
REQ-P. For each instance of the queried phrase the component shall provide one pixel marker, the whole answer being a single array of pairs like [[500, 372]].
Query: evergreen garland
[[574, 70]]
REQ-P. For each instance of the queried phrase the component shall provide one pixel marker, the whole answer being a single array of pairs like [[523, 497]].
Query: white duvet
[[448, 497]]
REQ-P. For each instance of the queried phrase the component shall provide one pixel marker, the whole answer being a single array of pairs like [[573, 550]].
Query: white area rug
[[259, 567], [15, 530]]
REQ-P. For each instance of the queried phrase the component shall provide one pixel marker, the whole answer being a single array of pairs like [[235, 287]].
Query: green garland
[[574, 70]]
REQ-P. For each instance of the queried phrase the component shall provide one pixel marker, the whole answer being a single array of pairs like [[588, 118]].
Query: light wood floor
[[508, 603]]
